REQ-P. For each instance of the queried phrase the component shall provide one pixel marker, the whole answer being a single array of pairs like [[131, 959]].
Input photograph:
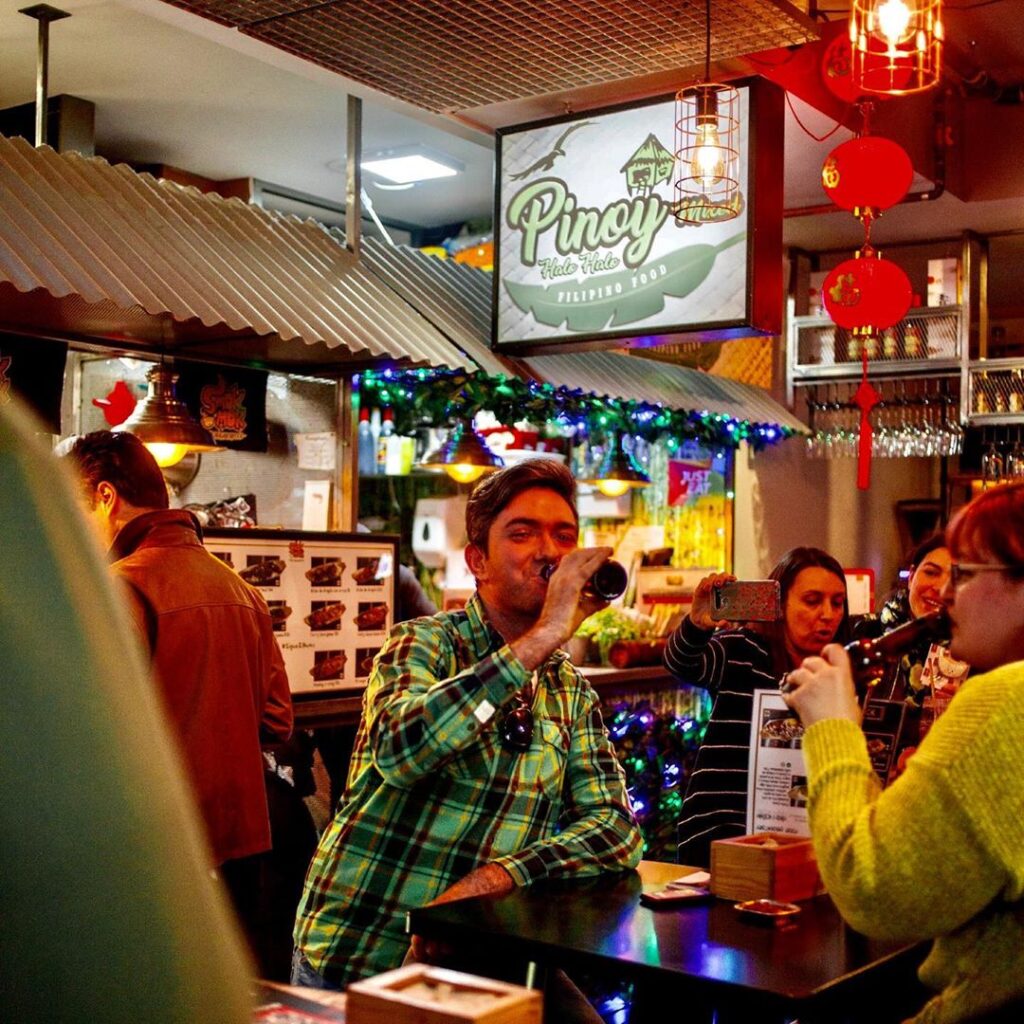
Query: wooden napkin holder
[[765, 865], [420, 994]]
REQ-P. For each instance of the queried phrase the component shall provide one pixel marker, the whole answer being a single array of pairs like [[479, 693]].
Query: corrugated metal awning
[[457, 299], [454, 297], [98, 252], [619, 375]]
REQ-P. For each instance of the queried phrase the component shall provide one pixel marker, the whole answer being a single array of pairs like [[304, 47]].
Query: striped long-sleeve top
[[730, 664], [432, 794]]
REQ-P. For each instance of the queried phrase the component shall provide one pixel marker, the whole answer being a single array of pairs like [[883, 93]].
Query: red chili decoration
[[866, 292], [867, 173]]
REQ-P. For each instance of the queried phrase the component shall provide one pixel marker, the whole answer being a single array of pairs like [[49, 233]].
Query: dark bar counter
[[344, 705]]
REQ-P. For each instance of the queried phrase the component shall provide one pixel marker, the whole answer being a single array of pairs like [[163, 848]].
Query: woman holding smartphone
[[940, 853], [731, 660]]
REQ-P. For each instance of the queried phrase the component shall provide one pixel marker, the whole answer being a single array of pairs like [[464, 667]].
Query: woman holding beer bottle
[[939, 854]]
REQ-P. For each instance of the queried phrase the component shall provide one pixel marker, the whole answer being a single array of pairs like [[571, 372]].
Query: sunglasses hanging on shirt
[[515, 728]]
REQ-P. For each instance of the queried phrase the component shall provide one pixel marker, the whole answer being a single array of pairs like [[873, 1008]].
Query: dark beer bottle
[[870, 659], [607, 582]]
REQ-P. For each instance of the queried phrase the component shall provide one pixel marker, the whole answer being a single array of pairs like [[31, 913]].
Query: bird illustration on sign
[[547, 162]]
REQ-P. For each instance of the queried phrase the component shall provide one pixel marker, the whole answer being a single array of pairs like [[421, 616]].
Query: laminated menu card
[[331, 597]]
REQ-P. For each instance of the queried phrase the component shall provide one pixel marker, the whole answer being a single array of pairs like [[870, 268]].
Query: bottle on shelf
[[871, 346], [367, 450], [912, 346], [981, 393], [890, 344], [373, 469], [1016, 400], [387, 428]]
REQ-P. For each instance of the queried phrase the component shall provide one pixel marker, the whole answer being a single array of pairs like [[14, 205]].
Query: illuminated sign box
[[588, 253]]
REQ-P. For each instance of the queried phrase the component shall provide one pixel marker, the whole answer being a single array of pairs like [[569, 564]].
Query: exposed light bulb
[[707, 164], [612, 488], [893, 19], [167, 454], [464, 472]]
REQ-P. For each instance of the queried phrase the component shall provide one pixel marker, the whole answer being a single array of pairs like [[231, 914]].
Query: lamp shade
[[896, 45], [866, 294], [868, 173], [163, 423], [707, 154], [464, 456], [618, 472]]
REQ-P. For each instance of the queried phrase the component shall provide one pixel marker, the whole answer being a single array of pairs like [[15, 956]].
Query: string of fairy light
[[437, 398]]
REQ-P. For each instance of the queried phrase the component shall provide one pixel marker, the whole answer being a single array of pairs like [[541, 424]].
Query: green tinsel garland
[[436, 398]]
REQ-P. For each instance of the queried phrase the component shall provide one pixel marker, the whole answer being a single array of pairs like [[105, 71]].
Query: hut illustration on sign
[[650, 165]]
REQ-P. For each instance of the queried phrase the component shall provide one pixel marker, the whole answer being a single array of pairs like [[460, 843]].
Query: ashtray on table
[[767, 911]]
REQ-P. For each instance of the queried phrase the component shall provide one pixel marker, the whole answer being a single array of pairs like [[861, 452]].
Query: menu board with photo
[[331, 597], [777, 791]]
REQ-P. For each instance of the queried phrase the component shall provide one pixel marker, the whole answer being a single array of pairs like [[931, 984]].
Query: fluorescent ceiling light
[[408, 168]]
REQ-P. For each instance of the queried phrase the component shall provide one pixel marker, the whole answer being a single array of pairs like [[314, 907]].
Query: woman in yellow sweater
[[940, 853]]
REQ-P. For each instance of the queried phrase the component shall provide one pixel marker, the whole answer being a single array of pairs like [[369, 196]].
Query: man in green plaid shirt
[[482, 761]]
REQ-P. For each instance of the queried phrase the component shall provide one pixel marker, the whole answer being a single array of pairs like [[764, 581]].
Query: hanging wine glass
[[1015, 460], [992, 464]]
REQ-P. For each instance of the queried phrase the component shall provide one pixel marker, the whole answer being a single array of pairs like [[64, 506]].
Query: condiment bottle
[[367, 448], [387, 428]]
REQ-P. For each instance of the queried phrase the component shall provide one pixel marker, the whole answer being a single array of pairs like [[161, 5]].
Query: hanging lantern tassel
[[866, 398]]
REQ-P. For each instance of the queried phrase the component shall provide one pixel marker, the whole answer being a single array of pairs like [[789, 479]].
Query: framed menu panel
[[331, 598]]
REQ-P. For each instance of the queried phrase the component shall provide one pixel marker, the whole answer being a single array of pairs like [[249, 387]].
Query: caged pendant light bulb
[[707, 124], [163, 423], [707, 165], [896, 45]]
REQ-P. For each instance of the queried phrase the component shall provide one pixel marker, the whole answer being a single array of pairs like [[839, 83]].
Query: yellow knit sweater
[[940, 853]]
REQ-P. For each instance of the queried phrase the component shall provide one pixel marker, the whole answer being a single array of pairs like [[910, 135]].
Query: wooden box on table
[[419, 994], [765, 865]]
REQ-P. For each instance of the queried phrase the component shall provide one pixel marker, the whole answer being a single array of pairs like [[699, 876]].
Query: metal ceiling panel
[[80, 227], [620, 375], [449, 56], [454, 297]]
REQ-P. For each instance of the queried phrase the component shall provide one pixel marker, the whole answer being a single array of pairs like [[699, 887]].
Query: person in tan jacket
[[209, 637]]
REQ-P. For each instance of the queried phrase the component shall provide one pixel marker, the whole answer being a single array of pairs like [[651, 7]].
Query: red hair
[[991, 527]]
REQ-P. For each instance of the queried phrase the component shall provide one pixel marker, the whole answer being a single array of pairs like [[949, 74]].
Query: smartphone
[[673, 895], [748, 601]]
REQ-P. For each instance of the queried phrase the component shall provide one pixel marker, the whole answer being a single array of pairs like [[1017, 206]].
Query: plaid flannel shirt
[[432, 795]]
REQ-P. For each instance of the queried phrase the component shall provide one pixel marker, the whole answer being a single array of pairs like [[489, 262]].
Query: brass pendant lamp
[[464, 456], [163, 423], [618, 472]]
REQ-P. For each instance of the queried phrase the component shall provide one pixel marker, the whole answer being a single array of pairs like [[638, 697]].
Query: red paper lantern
[[837, 70], [868, 173], [866, 294]]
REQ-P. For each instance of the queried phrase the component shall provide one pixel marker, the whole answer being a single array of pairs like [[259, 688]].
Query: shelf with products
[[996, 392], [927, 341]]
